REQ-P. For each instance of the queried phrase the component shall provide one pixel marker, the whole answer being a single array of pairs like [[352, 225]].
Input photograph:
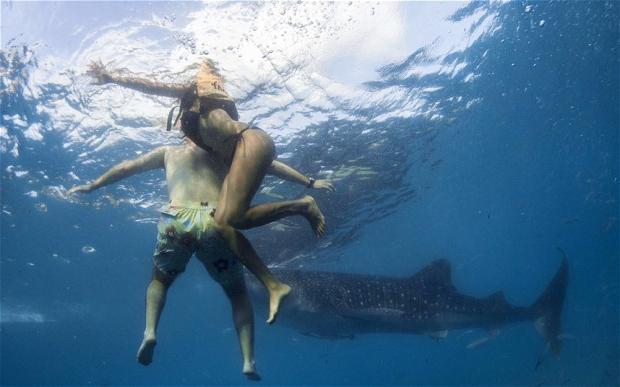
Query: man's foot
[[314, 216], [145, 352], [249, 371], [275, 298]]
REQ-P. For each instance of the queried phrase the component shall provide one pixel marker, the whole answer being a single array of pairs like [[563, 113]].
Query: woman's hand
[[97, 70], [324, 184]]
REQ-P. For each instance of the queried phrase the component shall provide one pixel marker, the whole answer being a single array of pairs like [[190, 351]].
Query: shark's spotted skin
[[334, 305]]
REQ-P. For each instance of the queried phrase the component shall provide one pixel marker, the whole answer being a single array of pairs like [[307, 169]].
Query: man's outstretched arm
[[285, 172], [144, 85], [152, 160]]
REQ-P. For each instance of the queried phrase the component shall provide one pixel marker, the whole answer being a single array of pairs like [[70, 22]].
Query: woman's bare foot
[[314, 216], [275, 298], [145, 352], [250, 371]]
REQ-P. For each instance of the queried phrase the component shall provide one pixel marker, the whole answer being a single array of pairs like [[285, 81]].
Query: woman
[[209, 117]]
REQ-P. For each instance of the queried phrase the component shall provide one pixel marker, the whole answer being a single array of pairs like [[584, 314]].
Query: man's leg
[[243, 249], [243, 317], [155, 301], [223, 267]]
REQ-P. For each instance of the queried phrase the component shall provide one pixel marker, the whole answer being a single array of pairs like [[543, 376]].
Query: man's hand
[[324, 184], [97, 70], [84, 188]]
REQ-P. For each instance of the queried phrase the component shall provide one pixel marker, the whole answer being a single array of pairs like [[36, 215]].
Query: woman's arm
[[144, 85], [285, 172]]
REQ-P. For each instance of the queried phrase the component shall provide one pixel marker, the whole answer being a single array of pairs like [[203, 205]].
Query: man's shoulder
[[175, 151], [170, 148]]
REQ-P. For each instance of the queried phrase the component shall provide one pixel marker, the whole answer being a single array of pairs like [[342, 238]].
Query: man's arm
[[152, 160], [285, 172], [147, 86]]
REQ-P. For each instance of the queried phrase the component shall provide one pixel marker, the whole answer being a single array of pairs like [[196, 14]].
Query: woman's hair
[[209, 79]]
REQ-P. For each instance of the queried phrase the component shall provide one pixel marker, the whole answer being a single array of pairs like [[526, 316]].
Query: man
[[208, 116], [187, 226]]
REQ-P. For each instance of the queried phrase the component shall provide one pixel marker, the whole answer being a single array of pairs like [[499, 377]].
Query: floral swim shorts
[[183, 231]]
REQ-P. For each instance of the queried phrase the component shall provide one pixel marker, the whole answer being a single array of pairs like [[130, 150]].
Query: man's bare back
[[193, 175]]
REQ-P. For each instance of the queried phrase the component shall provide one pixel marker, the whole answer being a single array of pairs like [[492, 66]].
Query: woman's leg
[[237, 192], [254, 154], [243, 249], [268, 212]]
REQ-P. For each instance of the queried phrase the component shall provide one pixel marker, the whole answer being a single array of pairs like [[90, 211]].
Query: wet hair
[[185, 104], [208, 77], [188, 99]]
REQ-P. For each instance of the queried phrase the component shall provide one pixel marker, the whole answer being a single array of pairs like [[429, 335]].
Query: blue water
[[483, 133]]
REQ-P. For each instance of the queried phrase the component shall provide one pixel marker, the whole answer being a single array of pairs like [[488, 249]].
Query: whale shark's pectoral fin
[[493, 333], [437, 335], [478, 342], [334, 336]]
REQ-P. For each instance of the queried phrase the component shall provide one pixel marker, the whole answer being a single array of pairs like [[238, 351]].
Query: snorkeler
[[187, 225], [209, 118]]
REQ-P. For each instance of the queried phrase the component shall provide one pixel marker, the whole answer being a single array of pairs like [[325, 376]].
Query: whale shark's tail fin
[[548, 307]]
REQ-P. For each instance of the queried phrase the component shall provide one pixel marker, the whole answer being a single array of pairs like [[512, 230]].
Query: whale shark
[[336, 305]]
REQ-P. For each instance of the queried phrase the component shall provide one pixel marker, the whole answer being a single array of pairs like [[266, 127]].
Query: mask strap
[[169, 123]]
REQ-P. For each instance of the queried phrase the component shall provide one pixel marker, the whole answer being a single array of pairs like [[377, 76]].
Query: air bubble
[[88, 249]]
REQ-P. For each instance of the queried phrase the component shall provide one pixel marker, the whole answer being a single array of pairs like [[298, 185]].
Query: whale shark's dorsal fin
[[437, 273], [498, 300]]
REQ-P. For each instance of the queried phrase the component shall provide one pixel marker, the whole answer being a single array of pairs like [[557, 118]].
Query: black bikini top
[[190, 120]]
